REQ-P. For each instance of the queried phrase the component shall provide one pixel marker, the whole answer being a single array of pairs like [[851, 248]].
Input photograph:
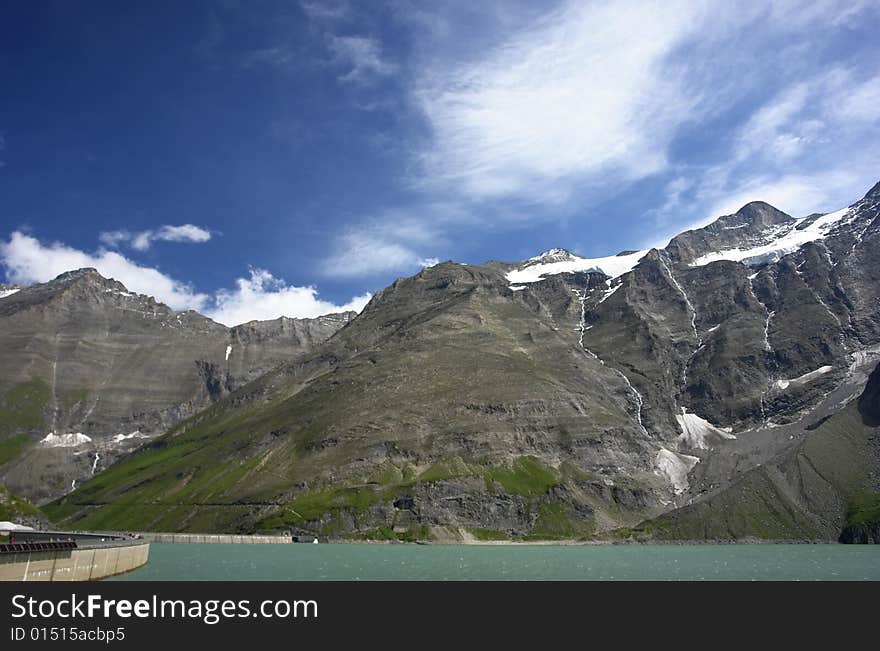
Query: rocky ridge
[[92, 371]]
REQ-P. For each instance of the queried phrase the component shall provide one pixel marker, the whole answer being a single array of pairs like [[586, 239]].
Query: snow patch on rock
[[675, 467], [536, 268], [53, 440], [789, 240], [121, 438], [697, 433], [608, 292], [803, 379]]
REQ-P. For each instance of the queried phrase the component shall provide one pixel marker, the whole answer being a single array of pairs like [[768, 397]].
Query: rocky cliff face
[[560, 397], [92, 371], [817, 479]]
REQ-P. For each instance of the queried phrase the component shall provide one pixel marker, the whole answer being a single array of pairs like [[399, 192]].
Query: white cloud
[[28, 261], [574, 108], [586, 93], [796, 194], [395, 241], [861, 103], [809, 113], [184, 233], [142, 240], [114, 238], [716, 193], [804, 150], [810, 147], [262, 296], [767, 129], [362, 56], [366, 252]]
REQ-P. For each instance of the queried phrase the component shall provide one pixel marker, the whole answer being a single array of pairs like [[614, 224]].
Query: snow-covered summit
[[552, 255], [781, 240], [756, 234], [557, 261]]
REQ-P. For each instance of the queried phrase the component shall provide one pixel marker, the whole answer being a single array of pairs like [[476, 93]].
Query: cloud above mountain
[[261, 295]]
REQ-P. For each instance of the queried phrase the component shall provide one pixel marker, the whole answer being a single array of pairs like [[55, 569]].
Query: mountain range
[[92, 371], [723, 387]]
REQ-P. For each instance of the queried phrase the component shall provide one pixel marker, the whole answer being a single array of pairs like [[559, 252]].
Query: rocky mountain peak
[[86, 277], [754, 224], [116, 368], [85, 273], [557, 254], [756, 213]]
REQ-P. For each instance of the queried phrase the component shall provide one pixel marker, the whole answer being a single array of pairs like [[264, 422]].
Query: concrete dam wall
[[77, 564]]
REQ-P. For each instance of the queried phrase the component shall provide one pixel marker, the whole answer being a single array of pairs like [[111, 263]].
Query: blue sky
[[253, 159]]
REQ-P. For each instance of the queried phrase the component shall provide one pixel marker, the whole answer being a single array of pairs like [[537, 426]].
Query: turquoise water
[[328, 562]]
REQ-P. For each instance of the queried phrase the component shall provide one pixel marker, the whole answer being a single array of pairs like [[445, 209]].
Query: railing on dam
[[13, 548], [223, 539]]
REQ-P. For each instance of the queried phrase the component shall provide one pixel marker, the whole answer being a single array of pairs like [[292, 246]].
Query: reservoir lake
[[378, 562]]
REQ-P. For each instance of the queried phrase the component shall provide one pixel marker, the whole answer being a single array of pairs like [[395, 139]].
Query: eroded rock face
[[82, 355]]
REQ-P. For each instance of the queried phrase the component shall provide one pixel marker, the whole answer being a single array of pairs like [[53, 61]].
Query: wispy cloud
[[362, 252], [361, 57], [279, 56], [796, 194], [810, 112], [720, 104], [397, 240], [810, 147], [143, 240], [261, 295], [588, 92], [326, 11]]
